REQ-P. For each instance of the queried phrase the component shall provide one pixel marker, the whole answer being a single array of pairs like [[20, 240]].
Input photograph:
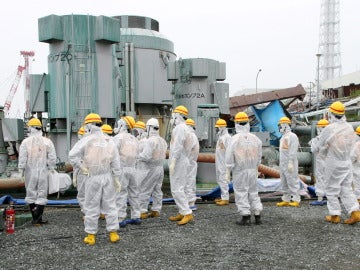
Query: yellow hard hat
[[81, 131], [182, 110], [140, 124], [106, 129], [241, 117], [357, 130], [190, 122], [34, 122], [337, 107], [322, 123], [284, 120], [220, 123], [130, 121], [92, 118]]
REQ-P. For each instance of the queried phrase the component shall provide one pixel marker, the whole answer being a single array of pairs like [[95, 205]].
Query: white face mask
[[242, 128], [284, 128]]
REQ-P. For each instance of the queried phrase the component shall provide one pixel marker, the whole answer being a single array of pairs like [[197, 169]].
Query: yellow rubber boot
[[178, 217], [222, 202], [333, 219], [186, 219], [154, 214], [217, 200], [355, 217], [144, 215], [294, 204], [114, 237], [90, 239], [283, 203]]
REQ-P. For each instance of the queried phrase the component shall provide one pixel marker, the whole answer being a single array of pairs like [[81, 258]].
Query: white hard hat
[[152, 122]]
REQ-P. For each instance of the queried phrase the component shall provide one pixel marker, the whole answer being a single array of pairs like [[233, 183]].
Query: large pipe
[[10, 183]]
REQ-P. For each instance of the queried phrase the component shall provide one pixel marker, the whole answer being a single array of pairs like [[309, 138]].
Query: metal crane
[[14, 87]]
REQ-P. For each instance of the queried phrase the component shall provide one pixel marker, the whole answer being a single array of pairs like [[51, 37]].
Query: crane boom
[[13, 89]]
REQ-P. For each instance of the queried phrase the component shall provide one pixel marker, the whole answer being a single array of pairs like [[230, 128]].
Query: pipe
[[127, 96], [132, 79], [10, 183]]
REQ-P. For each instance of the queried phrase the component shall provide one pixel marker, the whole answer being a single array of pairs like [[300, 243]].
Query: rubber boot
[[40, 210], [355, 217], [222, 202], [90, 239], [294, 204], [32, 207], [244, 221], [186, 219], [333, 219], [154, 214], [178, 217], [283, 203], [114, 237], [144, 215], [257, 220]]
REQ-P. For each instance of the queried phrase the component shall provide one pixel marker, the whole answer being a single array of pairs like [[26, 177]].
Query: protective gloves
[[22, 175], [172, 166], [117, 184], [84, 170], [227, 176], [290, 167], [74, 181]]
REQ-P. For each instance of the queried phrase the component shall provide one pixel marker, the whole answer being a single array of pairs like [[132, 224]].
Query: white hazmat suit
[[220, 166], [243, 157], [338, 139], [355, 158], [152, 156], [96, 155]]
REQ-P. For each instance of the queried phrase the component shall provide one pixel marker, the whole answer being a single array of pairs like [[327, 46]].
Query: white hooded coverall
[[178, 179], [97, 153], [37, 156], [338, 138], [127, 146], [152, 156], [319, 166], [355, 158], [192, 151], [221, 146], [289, 144], [243, 157]]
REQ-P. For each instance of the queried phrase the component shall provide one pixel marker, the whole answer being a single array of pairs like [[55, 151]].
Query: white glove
[[74, 181], [172, 166], [84, 170], [117, 184], [22, 175], [290, 167], [227, 176]]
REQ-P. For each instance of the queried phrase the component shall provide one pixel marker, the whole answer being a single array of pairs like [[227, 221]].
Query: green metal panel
[[107, 29], [50, 28]]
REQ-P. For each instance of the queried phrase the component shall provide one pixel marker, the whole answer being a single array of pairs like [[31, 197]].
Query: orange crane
[[14, 87]]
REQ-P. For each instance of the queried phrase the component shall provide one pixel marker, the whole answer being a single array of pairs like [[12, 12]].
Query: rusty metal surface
[[240, 103]]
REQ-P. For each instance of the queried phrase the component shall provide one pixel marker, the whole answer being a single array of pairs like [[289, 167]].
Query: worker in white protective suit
[[37, 158], [97, 157], [139, 130], [152, 156], [243, 157], [127, 146], [222, 144], [319, 164], [355, 158], [289, 144], [338, 138], [178, 164], [192, 150], [79, 179]]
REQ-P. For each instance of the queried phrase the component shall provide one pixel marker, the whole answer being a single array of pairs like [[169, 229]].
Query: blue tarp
[[268, 118]]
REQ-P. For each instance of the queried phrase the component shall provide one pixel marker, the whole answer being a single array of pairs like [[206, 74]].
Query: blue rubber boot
[[134, 221], [318, 203]]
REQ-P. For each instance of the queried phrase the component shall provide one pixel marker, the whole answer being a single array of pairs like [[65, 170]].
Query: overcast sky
[[278, 36]]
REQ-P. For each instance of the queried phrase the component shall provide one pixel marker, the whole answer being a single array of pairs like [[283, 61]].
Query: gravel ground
[[289, 238]]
